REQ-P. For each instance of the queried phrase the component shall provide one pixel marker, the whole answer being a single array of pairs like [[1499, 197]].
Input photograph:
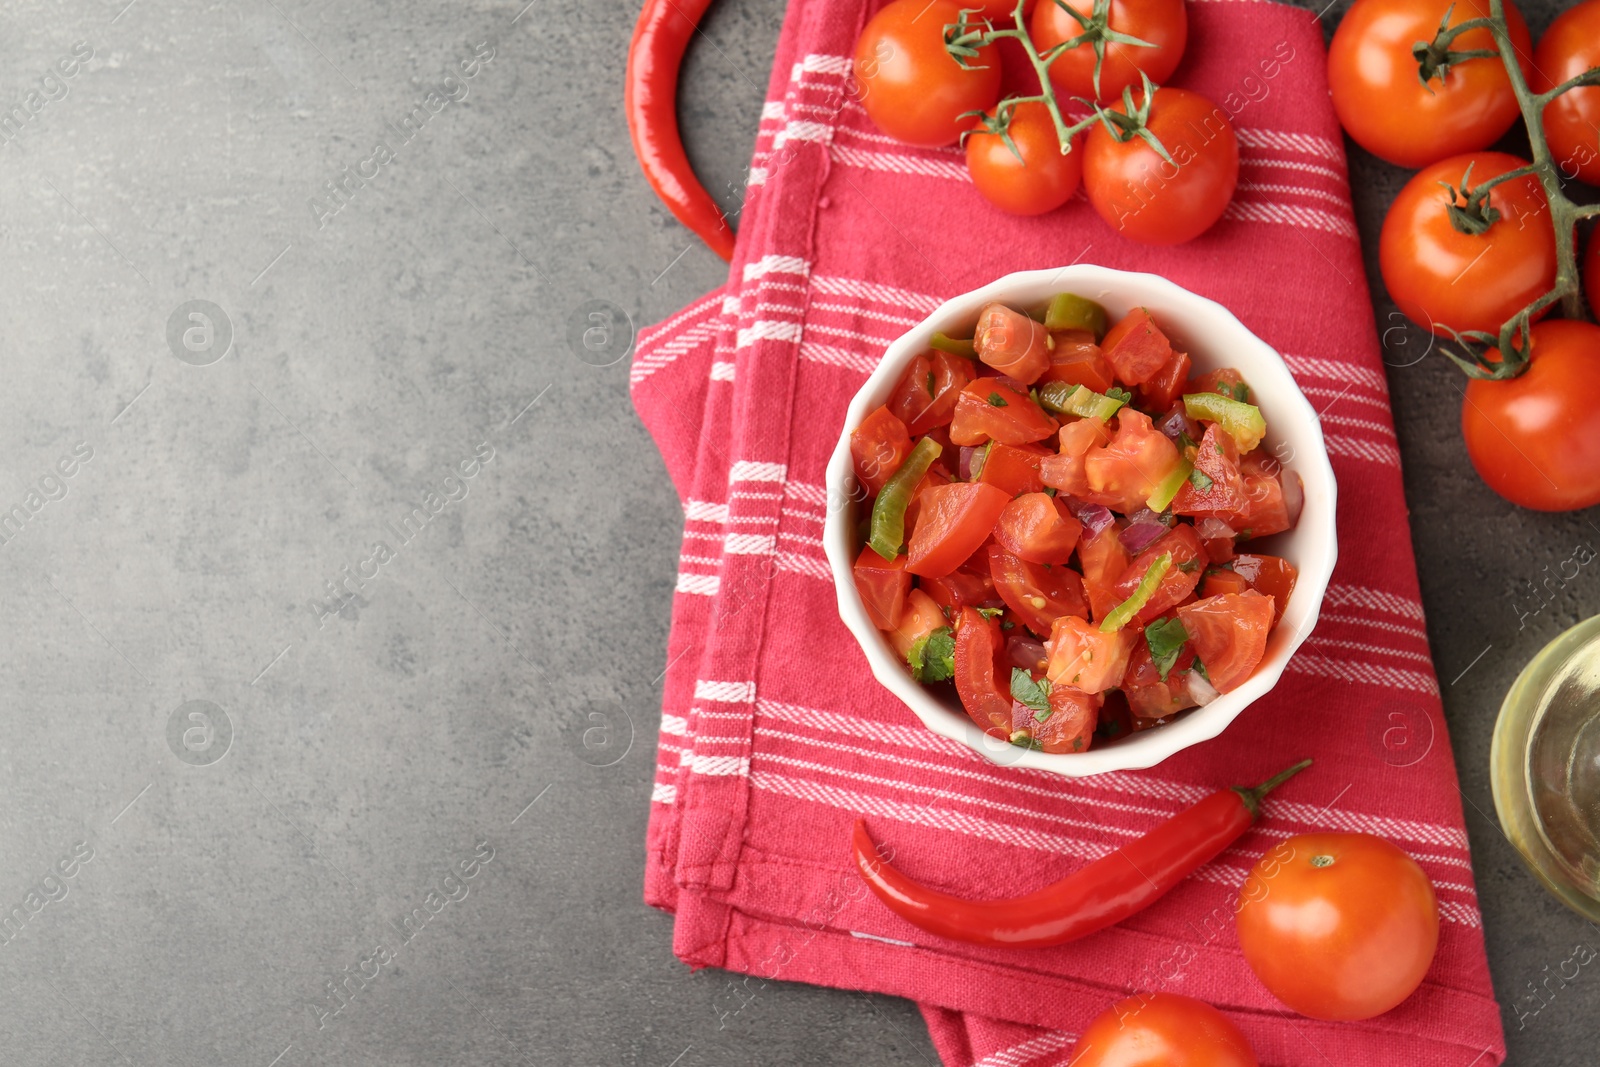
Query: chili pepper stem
[[1252, 797]]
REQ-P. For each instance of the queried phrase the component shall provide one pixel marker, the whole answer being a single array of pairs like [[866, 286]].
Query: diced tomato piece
[[1076, 359], [989, 410], [977, 678], [1272, 575], [921, 617], [1125, 472], [1038, 594], [1264, 512], [1166, 385], [1188, 563], [1065, 470], [1226, 381], [937, 475], [1229, 635], [1069, 724], [1014, 468], [883, 585], [1216, 458], [1084, 657], [1039, 528], [1103, 560], [955, 519], [1148, 695], [925, 396], [879, 445], [1136, 348], [1219, 581], [961, 589], [1012, 343]]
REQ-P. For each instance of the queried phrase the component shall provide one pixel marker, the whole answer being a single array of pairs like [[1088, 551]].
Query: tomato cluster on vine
[[1159, 164]]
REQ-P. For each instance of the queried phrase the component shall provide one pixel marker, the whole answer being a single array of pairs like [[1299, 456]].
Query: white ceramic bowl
[[1214, 338]]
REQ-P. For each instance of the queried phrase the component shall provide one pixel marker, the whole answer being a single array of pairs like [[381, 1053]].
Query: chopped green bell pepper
[[956, 346], [1064, 398], [1160, 497], [1242, 421], [889, 510], [1069, 311], [1124, 612]]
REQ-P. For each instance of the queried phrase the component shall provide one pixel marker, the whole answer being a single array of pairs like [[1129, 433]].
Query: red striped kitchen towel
[[774, 736]]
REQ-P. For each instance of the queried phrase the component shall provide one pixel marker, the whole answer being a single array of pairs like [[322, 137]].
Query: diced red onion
[[1093, 516], [1176, 423], [1144, 528], [967, 452], [1200, 690], [1248, 568], [1294, 496], [1026, 653], [1212, 528]]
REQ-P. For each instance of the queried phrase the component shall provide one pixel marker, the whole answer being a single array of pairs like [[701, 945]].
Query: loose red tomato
[[1014, 468], [1229, 635], [1444, 279], [1163, 24], [1037, 177], [1162, 1030], [1338, 926], [1382, 102], [977, 681], [1569, 47], [1188, 564], [1076, 359], [909, 84], [1219, 486], [925, 397], [1038, 528], [883, 585], [954, 521], [1103, 560], [1038, 594], [990, 411], [1167, 384], [878, 446], [1535, 438], [997, 11], [1125, 472], [921, 617], [1150, 200], [1069, 724], [1012, 343], [1136, 348], [1087, 658]]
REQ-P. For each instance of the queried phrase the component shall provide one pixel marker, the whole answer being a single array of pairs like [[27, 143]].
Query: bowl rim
[[1147, 748]]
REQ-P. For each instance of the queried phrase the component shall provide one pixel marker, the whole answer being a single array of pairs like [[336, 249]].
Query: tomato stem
[[1506, 355]]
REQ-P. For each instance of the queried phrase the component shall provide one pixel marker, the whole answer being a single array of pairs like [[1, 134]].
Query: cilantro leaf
[[991, 613], [1116, 392], [1031, 694], [1200, 669], [1023, 739], [996, 400], [932, 391], [1189, 566], [933, 657], [1200, 479], [1241, 392], [1166, 638]]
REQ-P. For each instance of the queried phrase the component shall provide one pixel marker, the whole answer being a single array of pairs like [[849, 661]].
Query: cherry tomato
[[1136, 348], [878, 446], [1569, 47], [1150, 200], [1439, 275], [1337, 925], [1076, 359], [955, 520], [925, 396], [998, 11], [1012, 343], [977, 645], [1014, 468], [1086, 657], [1162, 1030], [1188, 563], [1535, 438], [1041, 180], [1038, 528], [988, 410], [1229, 635], [1038, 594], [1381, 100], [883, 585], [1164, 24], [909, 84]]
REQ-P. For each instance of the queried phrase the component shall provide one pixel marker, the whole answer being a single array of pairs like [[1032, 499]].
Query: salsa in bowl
[[1083, 518]]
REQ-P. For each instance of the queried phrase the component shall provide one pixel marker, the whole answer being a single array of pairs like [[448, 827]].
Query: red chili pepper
[[651, 101], [1092, 898]]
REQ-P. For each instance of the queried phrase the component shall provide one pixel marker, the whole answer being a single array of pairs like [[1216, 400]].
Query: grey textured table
[[403, 790]]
